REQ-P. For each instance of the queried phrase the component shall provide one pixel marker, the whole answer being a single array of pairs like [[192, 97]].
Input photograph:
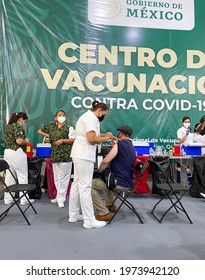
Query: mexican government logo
[[170, 14]]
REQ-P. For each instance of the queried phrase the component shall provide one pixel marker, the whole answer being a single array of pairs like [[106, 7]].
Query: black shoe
[[158, 192]]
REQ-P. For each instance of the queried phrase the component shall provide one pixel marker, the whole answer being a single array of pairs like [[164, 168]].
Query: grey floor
[[50, 236]]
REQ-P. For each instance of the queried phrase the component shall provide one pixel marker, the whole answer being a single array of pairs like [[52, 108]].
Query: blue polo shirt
[[123, 164]]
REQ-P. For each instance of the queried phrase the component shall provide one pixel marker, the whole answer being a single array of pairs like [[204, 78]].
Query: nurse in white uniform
[[83, 154]]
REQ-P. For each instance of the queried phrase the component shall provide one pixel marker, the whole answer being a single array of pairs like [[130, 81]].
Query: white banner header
[[170, 14]]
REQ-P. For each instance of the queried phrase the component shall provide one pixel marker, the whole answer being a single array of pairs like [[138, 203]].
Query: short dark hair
[[185, 118], [97, 104]]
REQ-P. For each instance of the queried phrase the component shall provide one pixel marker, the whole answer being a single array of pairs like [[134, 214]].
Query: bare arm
[[181, 140], [44, 134], [40, 131], [113, 137], [21, 141], [64, 141], [112, 154], [93, 139], [201, 128]]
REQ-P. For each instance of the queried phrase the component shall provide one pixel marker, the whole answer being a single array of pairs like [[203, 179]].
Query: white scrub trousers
[[19, 167], [62, 173], [80, 194]]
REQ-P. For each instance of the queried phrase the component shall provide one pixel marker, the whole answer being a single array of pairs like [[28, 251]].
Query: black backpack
[[110, 180], [106, 176]]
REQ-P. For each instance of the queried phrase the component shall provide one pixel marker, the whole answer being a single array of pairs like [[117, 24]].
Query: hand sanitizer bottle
[[72, 133], [182, 152], [151, 152]]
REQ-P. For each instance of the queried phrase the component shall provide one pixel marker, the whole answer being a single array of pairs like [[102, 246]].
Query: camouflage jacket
[[58, 153], [12, 132]]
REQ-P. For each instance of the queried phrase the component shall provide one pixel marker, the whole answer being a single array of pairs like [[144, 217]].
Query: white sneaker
[[8, 202], [76, 218], [54, 200], [25, 202], [60, 205], [202, 194], [94, 224]]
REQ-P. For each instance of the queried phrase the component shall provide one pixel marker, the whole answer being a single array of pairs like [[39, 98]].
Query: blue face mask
[[23, 125]]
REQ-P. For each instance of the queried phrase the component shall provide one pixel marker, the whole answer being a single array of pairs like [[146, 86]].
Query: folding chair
[[23, 188], [123, 193], [169, 189]]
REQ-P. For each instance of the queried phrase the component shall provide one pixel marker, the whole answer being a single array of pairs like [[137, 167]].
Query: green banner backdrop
[[145, 59]]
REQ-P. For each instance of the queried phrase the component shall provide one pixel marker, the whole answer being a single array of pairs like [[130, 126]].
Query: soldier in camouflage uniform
[[14, 153], [57, 134]]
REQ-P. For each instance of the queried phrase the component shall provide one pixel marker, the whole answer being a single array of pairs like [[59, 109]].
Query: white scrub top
[[198, 138], [181, 132], [81, 147]]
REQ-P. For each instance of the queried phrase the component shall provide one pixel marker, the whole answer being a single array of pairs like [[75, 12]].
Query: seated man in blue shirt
[[121, 159]]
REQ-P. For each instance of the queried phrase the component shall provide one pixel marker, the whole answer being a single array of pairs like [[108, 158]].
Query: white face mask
[[61, 119], [186, 125]]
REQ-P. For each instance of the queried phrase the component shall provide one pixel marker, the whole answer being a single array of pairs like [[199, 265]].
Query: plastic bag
[[164, 162], [72, 133], [198, 177], [34, 176]]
